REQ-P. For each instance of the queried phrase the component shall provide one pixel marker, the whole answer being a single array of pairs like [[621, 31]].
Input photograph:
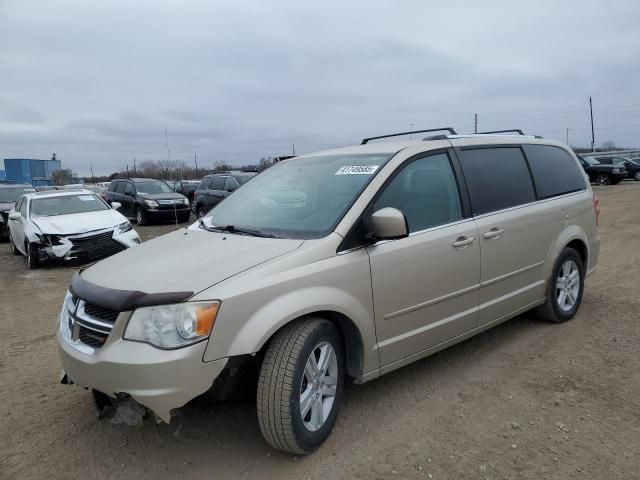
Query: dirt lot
[[524, 400]]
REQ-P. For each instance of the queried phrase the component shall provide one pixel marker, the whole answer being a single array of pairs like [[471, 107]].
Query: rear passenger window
[[426, 192], [554, 171], [217, 184], [497, 178]]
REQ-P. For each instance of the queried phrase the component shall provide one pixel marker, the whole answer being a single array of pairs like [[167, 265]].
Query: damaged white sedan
[[72, 226]]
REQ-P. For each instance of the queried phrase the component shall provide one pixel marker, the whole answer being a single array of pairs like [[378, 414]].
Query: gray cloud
[[98, 83]]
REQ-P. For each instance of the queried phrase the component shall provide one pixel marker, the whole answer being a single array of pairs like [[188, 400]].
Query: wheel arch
[[573, 237]]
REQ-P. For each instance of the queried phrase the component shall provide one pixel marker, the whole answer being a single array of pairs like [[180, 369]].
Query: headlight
[[172, 326], [151, 203], [616, 170], [185, 201], [124, 227]]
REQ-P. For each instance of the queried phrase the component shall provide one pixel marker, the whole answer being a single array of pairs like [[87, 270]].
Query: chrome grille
[[90, 324], [93, 247]]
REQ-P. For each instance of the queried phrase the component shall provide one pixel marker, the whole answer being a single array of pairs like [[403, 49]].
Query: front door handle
[[463, 242], [495, 232]]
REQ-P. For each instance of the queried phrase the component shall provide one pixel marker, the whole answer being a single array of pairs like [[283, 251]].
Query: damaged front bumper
[[85, 247], [161, 380]]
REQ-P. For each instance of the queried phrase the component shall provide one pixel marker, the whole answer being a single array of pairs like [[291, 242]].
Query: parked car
[[600, 173], [9, 193], [147, 200], [74, 226], [216, 187], [186, 188], [400, 249], [47, 188], [631, 166]]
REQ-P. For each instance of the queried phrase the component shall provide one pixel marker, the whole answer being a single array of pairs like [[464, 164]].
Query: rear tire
[[565, 288], [300, 386], [12, 246]]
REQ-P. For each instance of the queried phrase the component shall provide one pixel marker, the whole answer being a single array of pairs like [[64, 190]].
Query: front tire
[[636, 176], [603, 179], [141, 216], [300, 386], [565, 288], [32, 256], [201, 211]]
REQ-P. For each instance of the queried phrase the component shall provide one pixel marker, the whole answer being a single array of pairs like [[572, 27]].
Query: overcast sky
[[97, 82]]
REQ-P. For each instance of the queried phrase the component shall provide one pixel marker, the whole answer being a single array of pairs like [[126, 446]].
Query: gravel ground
[[524, 400]]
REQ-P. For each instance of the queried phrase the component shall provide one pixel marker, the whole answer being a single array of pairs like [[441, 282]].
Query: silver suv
[[333, 267]]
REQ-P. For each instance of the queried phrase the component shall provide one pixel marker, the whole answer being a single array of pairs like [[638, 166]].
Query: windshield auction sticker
[[357, 170]]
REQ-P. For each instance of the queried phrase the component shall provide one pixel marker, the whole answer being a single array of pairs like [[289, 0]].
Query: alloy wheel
[[567, 285], [318, 388], [637, 175], [603, 180]]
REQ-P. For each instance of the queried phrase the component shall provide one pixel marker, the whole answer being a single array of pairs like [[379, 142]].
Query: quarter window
[[497, 178], [217, 183], [425, 190], [554, 171]]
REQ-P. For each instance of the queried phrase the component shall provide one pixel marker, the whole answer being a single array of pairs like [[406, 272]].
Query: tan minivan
[[335, 266]]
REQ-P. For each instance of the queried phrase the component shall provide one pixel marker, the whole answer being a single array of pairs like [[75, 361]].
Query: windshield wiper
[[239, 231]]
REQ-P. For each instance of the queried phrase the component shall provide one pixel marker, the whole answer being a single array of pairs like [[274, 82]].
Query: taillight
[[596, 208]]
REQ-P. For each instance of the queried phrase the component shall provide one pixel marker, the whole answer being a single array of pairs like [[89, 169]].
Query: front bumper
[[168, 213], [161, 380], [87, 251]]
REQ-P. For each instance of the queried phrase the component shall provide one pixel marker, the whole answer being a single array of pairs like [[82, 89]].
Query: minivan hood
[[78, 222], [185, 260]]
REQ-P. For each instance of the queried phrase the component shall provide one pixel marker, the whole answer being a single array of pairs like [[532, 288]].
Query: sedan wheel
[[141, 218], [603, 179], [637, 176], [32, 256]]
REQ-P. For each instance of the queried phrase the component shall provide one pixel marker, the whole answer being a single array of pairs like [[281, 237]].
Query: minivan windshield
[[66, 205], [299, 198], [153, 187]]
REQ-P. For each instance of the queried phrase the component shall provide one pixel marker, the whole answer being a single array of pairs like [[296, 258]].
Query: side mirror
[[15, 216], [116, 205], [388, 223]]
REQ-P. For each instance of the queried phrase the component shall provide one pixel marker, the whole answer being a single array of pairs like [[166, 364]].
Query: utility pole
[[567, 140], [475, 123], [127, 170], [195, 159], [293, 149], [411, 131], [166, 137], [92, 181], [593, 137], [134, 165]]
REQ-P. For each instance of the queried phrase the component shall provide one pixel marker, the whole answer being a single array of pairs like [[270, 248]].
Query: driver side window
[[426, 191], [128, 190], [23, 208]]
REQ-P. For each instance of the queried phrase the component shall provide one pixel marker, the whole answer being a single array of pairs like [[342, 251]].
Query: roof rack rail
[[448, 129], [513, 130]]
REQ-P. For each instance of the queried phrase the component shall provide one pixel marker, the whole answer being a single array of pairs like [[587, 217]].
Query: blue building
[[27, 170], [3, 176]]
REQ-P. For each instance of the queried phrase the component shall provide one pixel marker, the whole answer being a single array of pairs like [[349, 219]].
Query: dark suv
[[600, 173], [186, 187], [148, 199], [216, 187], [8, 195], [631, 166]]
